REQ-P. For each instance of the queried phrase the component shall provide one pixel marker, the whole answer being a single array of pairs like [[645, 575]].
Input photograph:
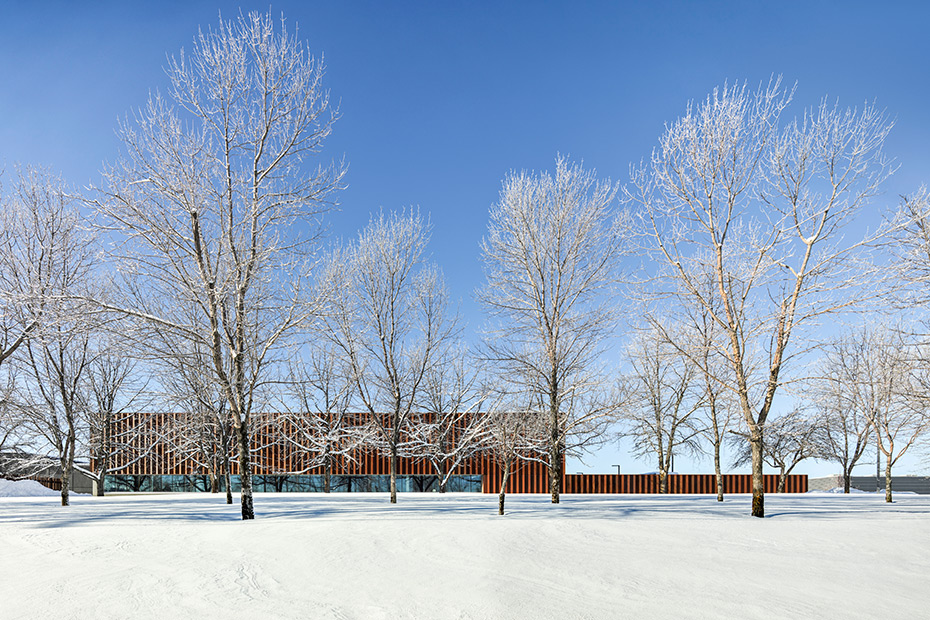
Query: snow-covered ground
[[356, 556]]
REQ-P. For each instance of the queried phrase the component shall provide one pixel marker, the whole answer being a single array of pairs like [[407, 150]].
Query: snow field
[[356, 556]]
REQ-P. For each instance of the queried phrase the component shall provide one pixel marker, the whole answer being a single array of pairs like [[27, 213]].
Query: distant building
[[22, 466], [869, 484], [151, 461]]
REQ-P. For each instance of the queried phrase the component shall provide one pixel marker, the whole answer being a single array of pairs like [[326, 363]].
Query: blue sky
[[440, 100]]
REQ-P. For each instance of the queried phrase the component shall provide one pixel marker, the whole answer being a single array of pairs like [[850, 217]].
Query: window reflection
[[291, 484]]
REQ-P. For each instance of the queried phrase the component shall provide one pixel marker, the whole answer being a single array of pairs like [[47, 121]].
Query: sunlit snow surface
[[356, 556]]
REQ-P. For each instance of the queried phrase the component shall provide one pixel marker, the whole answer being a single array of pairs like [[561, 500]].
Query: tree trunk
[[226, 465], [758, 488], [101, 481], [327, 473], [500, 501], [443, 477], [555, 473], [717, 472], [782, 478], [888, 479], [393, 472], [555, 444], [663, 480], [214, 474], [847, 474], [67, 464], [245, 472], [228, 485], [66, 480]]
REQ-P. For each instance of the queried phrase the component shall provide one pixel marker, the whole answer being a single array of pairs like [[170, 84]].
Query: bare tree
[[47, 264], [53, 401], [789, 439], [883, 378], [551, 260], [113, 398], [718, 411], [19, 446], [515, 433], [909, 243], [665, 395], [844, 427], [201, 431], [32, 226], [910, 246], [9, 422], [217, 209], [760, 205], [320, 422], [391, 322], [37, 226], [452, 424]]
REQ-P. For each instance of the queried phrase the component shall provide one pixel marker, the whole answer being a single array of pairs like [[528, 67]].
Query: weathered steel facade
[[148, 452], [677, 483]]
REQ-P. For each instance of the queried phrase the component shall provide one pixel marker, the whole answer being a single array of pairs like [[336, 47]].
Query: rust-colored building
[[149, 459]]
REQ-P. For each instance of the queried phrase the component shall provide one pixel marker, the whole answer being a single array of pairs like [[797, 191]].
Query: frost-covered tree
[[665, 390], [843, 427], [910, 245], [19, 445], [200, 431], [551, 257], [517, 431], [56, 358], [881, 374], [52, 400], [762, 206], [789, 439], [33, 223], [113, 396], [37, 226], [452, 424], [718, 411], [320, 422], [213, 205], [391, 321], [46, 264]]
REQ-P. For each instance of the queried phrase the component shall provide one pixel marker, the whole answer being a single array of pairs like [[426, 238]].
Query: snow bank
[[839, 490], [23, 488], [852, 491]]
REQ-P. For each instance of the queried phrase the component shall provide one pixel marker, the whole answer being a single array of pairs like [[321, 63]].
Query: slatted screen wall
[[149, 452]]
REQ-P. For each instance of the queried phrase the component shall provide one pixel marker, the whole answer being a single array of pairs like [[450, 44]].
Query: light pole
[[618, 469], [878, 462]]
